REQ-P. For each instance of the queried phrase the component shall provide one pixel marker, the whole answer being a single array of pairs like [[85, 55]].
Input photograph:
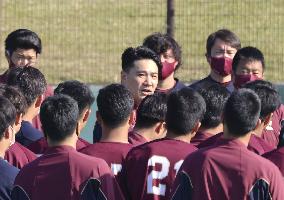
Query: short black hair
[[7, 115], [185, 107], [78, 91], [15, 96], [225, 35], [59, 115], [29, 80], [249, 54], [160, 43], [215, 98], [115, 104], [130, 55], [23, 39], [151, 110], [242, 112], [269, 97]]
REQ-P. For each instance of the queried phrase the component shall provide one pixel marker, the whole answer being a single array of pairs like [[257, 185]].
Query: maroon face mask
[[244, 78], [168, 69], [222, 65]]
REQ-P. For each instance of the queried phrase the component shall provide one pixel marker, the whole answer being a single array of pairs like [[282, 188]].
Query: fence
[[84, 39]]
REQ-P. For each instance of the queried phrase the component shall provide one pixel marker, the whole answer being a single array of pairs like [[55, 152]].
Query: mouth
[[146, 92]]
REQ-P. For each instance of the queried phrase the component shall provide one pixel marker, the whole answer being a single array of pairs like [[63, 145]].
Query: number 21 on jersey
[[159, 175]]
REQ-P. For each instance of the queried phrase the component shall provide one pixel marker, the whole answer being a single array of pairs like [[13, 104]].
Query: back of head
[[269, 97], [7, 115], [15, 96], [215, 98], [22, 39], [115, 104], [242, 112], [160, 43], [225, 35], [29, 80], [59, 115], [186, 108], [78, 91], [250, 54], [151, 110], [130, 55]]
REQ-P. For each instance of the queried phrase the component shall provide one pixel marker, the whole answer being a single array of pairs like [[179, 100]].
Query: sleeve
[[276, 183]]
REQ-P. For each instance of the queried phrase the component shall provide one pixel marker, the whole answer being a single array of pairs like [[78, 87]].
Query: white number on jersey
[[159, 175], [116, 168]]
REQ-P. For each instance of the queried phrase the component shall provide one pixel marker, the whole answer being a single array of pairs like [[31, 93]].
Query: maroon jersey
[[228, 170], [272, 131], [256, 144], [40, 146], [136, 139], [113, 153], [61, 173], [277, 157], [150, 169], [200, 137], [18, 155]]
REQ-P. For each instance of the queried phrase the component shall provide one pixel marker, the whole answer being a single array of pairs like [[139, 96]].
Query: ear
[[160, 129], [123, 76], [208, 58], [8, 134], [78, 129], [8, 56], [19, 119], [132, 118], [39, 100], [258, 124], [267, 119], [86, 115], [195, 129]]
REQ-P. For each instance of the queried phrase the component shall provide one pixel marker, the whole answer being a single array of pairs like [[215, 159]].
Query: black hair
[[29, 80], [225, 35], [269, 97], [23, 39], [185, 107], [215, 98], [130, 55], [250, 54], [160, 43], [152, 109], [7, 115], [115, 104], [15, 96], [78, 91], [59, 115], [242, 112]]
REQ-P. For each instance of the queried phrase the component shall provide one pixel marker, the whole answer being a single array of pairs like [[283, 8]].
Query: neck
[[119, 134], [148, 134], [70, 141], [2, 150], [220, 79], [30, 114], [185, 138], [243, 139], [214, 130], [167, 83]]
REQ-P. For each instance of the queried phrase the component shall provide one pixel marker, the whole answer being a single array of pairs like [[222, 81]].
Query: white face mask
[[12, 141]]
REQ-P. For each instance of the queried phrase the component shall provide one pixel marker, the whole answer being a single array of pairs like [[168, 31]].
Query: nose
[[148, 80]]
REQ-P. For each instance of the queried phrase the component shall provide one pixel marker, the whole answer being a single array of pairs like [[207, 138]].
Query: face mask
[[222, 65], [168, 69], [244, 78]]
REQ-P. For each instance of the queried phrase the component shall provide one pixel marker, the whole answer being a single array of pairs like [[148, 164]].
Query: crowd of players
[[154, 138]]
